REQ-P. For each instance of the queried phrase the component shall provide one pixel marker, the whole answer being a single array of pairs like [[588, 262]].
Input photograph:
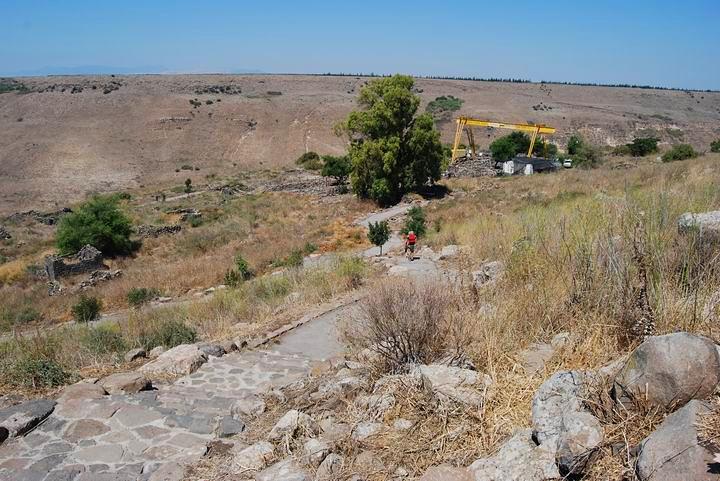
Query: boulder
[[82, 390], [248, 407], [488, 273], [125, 383], [178, 361], [134, 354], [293, 424], [454, 383], [670, 370], [315, 451], [21, 418], [285, 470], [672, 452], [330, 467], [706, 224], [518, 459], [229, 426], [449, 251], [255, 457], [562, 425], [447, 473]]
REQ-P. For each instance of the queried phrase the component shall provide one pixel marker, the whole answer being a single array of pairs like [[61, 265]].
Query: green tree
[[392, 149], [715, 146], [575, 142], [337, 167], [503, 149], [643, 146], [378, 233], [98, 222], [415, 221]]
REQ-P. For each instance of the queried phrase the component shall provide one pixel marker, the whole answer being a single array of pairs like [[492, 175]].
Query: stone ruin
[[87, 259], [4, 234], [154, 231]]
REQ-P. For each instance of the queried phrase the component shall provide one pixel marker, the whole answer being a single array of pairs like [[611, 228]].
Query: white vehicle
[[567, 163]]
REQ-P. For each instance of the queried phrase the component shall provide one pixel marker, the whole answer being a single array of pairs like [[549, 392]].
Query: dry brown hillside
[[77, 134]]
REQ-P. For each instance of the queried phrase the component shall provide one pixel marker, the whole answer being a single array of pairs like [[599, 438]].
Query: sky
[[663, 43]]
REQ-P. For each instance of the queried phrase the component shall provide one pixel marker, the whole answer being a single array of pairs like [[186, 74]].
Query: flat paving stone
[[105, 453], [132, 416]]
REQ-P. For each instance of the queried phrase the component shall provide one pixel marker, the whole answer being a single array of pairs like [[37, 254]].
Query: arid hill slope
[[56, 145]]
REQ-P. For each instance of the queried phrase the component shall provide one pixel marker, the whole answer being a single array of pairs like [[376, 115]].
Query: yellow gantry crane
[[467, 123]]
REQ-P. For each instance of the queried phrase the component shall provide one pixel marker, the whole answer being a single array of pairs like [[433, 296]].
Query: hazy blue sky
[[667, 43]]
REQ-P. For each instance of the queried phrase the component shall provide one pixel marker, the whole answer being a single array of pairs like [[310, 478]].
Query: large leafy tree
[[393, 150]]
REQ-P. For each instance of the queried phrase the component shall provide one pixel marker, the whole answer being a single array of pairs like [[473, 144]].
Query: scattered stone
[[212, 350], [670, 370], [285, 470], [330, 467], [155, 352], [672, 452], [4, 234], [449, 251], [178, 361], [229, 426], [403, 424], [368, 461], [82, 390], [125, 383], [454, 383], [376, 405], [250, 406], [144, 231], [706, 224], [255, 457], [488, 273], [293, 424], [366, 429], [21, 418], [99, 276], [315, 451], [533, 358], [134, 354], [519, 459], [229, 346], [582, 433], [333, 431], [447, 473]]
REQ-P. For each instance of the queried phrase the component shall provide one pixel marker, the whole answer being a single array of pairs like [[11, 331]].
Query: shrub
[[621, 150], [38, 373], [188, 186], [587, 156], [442, 104], [575, 142], [168, 333], [98, 222], [268, 287], [310, 161], [241, 272], [309, 248], [337, 167], [405, 323], [195, 221], [13, 316], [643, 146], [378, 233], [352, 270], [86, 309], [679, 152], [415, 221], [137, 296], [232, 278], [715, 146], [103, 340]]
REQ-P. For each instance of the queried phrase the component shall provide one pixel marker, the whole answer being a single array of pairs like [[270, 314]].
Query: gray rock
[[376, 405], [212, 350], [489, 273], [250, 406], [369, 462], [285, 470], [581, 434], [125, 383], [449, 251], [229, 346], [672, 452], [670, 370], [134, 354], [533, 358], [403, 424], [706, 224], [293, 424], [229, 426], [21, 418], [82, 390], [518, 459], [330, 467], [447, 473], [315, 451], [178, 361], [255, 457], [454, 383], [155, 352], [366, 429]]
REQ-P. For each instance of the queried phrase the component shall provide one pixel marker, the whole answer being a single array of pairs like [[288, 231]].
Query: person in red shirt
[[410, 241]]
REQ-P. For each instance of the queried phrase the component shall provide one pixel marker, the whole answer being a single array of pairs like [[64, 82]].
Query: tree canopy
[[393, 150]]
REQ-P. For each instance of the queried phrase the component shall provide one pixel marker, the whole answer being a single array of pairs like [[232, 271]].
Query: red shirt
[[411, 239]]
